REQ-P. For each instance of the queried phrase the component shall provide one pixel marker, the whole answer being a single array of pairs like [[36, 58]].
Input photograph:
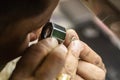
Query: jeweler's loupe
[[53, 30]]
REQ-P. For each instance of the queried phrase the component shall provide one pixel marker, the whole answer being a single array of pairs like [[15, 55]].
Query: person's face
[[16, 37]]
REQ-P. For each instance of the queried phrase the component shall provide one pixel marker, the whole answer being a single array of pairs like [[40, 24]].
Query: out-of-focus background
[[98, 24]]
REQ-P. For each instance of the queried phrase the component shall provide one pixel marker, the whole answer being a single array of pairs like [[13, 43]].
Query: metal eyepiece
[[53, 30]]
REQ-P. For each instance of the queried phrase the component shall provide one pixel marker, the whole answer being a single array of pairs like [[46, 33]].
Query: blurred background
[[97, 23]]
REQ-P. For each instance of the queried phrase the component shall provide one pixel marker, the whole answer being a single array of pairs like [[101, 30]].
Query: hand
[[42, 61], [90, 65], [46, 60]]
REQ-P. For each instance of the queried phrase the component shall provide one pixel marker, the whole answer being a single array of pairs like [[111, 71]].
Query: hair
[[13, 10], [24, 8]]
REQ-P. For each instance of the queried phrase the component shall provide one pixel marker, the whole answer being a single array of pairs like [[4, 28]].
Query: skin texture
[[46, 59]]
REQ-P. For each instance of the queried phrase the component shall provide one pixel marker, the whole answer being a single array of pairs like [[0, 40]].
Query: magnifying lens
[[53, 30]]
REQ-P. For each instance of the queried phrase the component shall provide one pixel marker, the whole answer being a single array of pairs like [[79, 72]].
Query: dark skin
[[30, 25], [65, 57]]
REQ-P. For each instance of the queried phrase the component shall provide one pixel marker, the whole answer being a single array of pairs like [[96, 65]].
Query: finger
[[90, 72], [33, 57], [70, 35], [91, 56], [77, 77], [53, 64], [72, 58]]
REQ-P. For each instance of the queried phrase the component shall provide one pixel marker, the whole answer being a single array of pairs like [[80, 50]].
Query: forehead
[[24, 9], [24, 24], [13, 10]]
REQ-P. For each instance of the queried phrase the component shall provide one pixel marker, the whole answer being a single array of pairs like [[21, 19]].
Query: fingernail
[[53, 40], [73, 38], [76, 47], [49, 42]]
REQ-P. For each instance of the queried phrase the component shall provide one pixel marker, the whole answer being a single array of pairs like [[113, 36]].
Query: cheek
[[13, 49], [35, 34], [30, 37], [23, 45]]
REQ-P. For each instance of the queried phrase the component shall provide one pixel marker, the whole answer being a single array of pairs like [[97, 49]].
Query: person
[[21, 22]]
